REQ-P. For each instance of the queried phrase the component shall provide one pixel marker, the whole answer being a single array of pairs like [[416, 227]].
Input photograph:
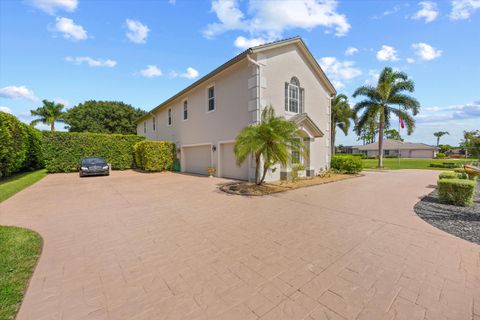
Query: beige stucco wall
[[202, 127], [279, 66]]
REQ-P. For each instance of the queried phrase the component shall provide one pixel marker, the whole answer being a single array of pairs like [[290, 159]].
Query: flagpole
[[399, 125]]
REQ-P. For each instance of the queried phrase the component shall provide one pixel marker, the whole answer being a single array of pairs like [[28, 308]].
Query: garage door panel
[[197, 159], [229, 166]]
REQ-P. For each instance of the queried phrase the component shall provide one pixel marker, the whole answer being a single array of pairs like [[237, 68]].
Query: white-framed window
[[144, 126], [211, 98], [154, 122], [185, 109], [294, 96], [169, 114]]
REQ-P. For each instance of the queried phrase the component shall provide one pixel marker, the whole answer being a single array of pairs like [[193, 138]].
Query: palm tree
[[342, 115], [385, 99], [272, 140], [440, 134], [49, 113]]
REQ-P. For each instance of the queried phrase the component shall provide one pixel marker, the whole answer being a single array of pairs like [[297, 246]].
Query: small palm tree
[[440, 134], [272, 140], [385, 99], [49, 113], [342, 115]]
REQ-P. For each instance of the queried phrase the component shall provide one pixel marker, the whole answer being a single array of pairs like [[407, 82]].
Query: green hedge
[[155, 155], [459, 192], [63, 151], [19, 147], [346, 164], [449, 175]]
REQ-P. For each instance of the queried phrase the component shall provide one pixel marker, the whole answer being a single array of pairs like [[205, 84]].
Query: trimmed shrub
[[461, 173], [155, 155], [19, 147], [449, 175], [459, 192], [63, 151], [346, 164], [440, 155]]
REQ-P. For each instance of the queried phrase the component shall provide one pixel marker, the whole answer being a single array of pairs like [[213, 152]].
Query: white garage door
[[197, 159], [229, 167]]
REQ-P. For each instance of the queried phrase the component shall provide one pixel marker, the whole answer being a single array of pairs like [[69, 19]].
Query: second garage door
[[229, 167], [197, 159]]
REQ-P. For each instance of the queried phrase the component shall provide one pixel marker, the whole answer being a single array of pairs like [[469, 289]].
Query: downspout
[[258, 107]]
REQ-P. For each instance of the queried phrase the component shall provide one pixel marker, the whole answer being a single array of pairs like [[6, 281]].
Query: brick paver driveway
[[170, 246]]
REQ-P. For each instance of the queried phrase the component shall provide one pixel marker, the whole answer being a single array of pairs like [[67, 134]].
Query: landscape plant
[[155, 155], [63, 151], [49, 113], [342, 117], [438, 135], [20, 146], [459, 192], [271, 142], [346, 164], [385, 99]]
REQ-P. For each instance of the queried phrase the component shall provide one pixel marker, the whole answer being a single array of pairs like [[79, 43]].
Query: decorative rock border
[[463, 222]]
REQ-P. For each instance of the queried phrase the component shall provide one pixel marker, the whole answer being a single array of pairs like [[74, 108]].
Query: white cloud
[[92, 62], [151, 71], [5, 109], [339, 71], [428, 12], [463, 9], [410, 60], [191, 73], [52, 6], [172, 1], [244, 43], [17, 92], [269, 19], [470, 110], [61, 101], [425, 51], [351, 51], [373, 76], [387, 53], [137, 31], [69, 29]]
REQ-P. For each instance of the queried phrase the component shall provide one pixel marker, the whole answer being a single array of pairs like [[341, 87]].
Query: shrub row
[[20, 147], [155, 155], [63, 151], [346, 164], [459, 192], [449, 175]]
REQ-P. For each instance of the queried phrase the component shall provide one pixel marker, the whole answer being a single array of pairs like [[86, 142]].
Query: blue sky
[[142, 52]]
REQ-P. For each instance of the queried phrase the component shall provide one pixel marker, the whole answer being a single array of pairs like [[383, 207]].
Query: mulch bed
[[251, 189], [463, 222]]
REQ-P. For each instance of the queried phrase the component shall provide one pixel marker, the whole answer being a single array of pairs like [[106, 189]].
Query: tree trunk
[[438, 141], [52, 127], [380, 140], [257, 168], [265, 169]]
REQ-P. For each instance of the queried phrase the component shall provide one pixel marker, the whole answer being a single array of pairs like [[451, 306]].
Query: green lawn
[[18, 182], [406, 163], [19, 249]]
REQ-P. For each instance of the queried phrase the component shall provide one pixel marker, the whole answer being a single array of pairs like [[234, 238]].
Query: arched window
[[294, 96]]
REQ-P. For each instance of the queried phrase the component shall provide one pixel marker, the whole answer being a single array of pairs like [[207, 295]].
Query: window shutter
[[286, 96], [302, 100]]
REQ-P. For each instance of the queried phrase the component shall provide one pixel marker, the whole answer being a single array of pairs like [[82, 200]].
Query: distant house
[[396, 147]]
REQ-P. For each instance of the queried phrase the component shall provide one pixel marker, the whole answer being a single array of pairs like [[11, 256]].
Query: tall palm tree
[[440, 134], [342, 115], [385, 99], [49, 113], [272, 140]]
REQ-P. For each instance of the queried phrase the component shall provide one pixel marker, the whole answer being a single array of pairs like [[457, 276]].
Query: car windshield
[[93, 161]]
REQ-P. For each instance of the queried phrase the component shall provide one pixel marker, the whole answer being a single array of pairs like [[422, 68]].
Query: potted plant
[[211, 171]]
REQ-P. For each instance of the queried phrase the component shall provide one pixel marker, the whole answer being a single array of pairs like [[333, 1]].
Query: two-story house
[[204, 119]]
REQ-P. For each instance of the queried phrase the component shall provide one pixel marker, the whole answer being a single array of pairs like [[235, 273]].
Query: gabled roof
[[267, 46], [390, 144], [304, 120]]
